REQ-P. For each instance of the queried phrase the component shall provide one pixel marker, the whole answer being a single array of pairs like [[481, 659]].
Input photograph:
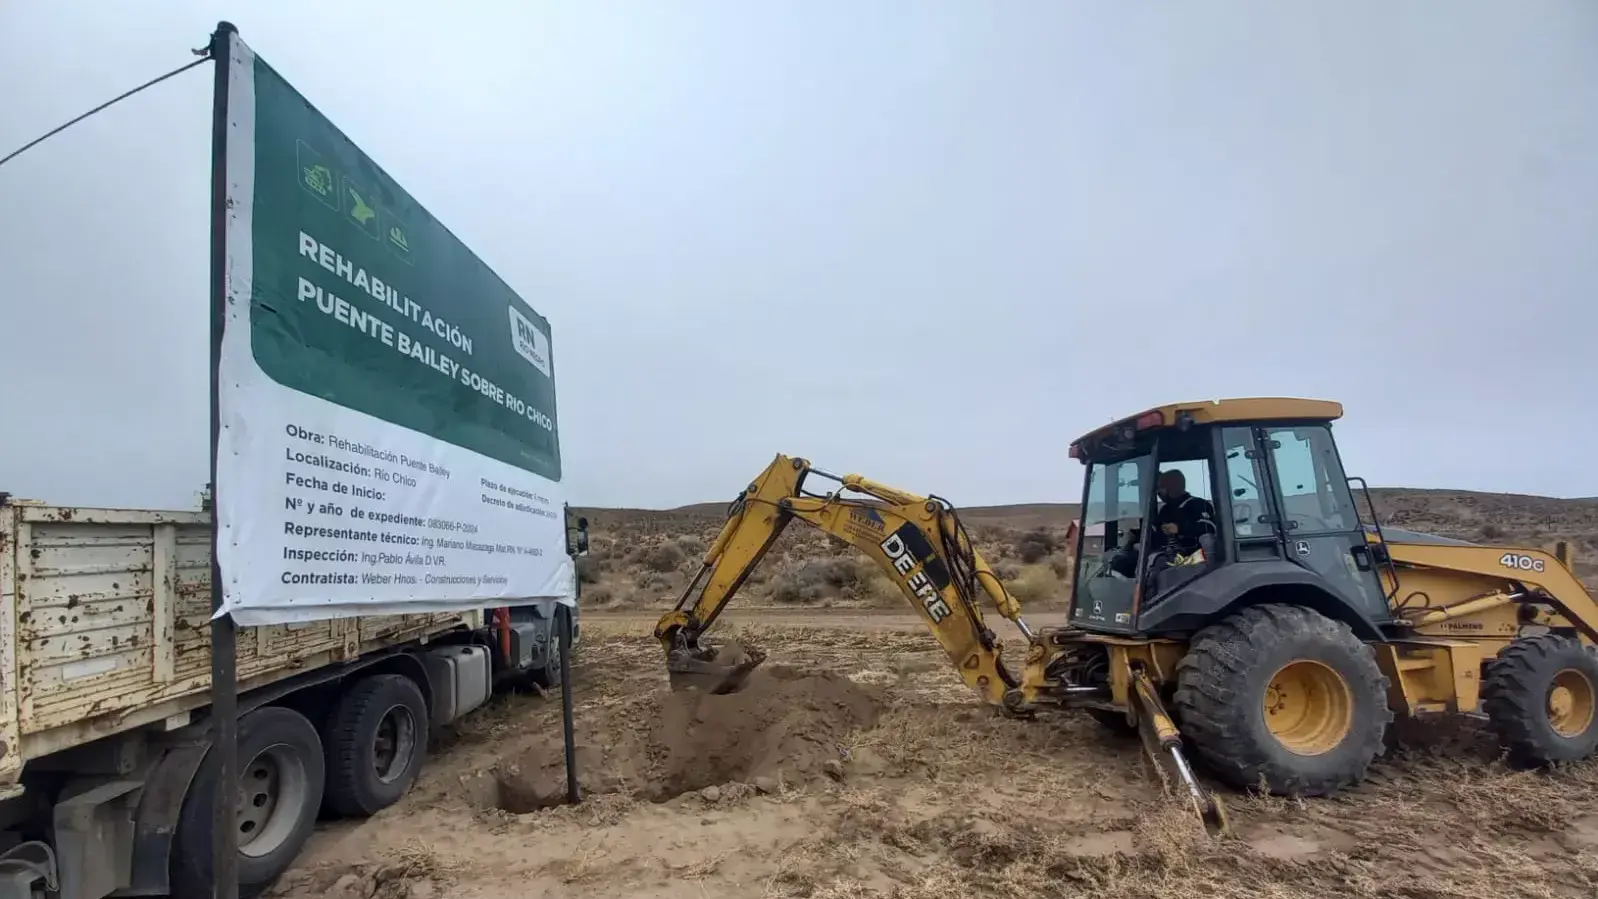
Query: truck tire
[[548, 677], [1282, 697], [281, 780], [1541, 695], [376, 743]]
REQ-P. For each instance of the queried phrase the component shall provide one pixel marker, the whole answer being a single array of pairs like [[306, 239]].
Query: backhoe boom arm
[[918, 541]]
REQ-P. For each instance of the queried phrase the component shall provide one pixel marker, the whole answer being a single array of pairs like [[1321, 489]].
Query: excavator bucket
[[716, 670]]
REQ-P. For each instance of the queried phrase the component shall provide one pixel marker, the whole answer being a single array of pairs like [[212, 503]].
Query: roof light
[[1150, 420]]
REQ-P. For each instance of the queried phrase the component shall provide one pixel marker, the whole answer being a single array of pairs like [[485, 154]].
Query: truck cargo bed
[[104, 627]]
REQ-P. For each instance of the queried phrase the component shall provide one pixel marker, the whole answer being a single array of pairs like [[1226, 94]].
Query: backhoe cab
[[1253, 615], [1268, 477], [1287, 632]]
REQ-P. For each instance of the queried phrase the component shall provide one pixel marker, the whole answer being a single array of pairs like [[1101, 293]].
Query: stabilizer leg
[[1163, 744]]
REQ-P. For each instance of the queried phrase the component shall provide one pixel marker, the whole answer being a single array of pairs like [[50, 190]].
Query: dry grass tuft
[[590, 862], [417, 859]]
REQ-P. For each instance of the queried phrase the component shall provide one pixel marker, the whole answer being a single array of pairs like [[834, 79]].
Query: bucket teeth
[[714, 671]]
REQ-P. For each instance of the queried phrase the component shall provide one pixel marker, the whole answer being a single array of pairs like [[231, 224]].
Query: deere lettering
[[899, 556]]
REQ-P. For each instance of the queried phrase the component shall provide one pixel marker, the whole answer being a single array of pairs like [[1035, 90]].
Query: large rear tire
[[280, 792], [1282, 697], [376, 744], [1541, 695]]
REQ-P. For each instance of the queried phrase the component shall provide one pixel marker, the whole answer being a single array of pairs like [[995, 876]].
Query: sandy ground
[[858, 765]]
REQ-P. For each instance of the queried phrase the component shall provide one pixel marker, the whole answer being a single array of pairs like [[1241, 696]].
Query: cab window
[[1244, 475], [1315, 494], [1196, 474]]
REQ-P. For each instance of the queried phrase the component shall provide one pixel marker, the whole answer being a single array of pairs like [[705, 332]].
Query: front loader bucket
[[715, 671]]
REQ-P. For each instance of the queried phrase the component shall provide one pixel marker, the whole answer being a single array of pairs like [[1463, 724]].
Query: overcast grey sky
[[927, 241]]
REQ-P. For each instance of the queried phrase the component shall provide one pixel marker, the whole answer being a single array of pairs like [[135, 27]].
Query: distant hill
[[646, 556], [1461, 514]]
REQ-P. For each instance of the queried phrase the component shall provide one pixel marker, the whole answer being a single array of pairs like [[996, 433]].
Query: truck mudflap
[[157, 818], [94, 839], [111, 837]]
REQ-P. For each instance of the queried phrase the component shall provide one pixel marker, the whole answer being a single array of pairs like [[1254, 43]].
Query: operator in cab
[[1182, 517]]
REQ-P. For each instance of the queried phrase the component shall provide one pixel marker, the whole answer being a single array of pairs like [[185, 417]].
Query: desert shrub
[[791, 587], [1035, 545], [1035, 584], [598, 595], [813, 579], [1063, 567], [692, 545], [664, 557], [759, 575], [652, 580], [589, 568], [875, 587], [1492, 531], [1007, 570]]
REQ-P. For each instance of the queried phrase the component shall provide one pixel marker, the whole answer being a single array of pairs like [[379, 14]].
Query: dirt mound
[[784, 725]]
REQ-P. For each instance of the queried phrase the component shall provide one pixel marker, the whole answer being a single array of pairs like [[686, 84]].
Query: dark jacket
[[1193, 516]]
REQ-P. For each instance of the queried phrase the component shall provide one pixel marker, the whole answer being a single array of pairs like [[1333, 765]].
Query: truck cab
[[1281, 518]]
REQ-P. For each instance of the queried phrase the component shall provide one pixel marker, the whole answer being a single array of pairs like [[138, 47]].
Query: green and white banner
[[389, 441]]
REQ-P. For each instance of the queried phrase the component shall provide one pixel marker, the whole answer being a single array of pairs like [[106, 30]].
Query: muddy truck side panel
[[105, 685]]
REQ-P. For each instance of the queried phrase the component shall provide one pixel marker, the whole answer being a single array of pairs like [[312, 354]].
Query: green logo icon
[[361, 208], [362, 212], [319, 178], [315, 176], [395, 235]]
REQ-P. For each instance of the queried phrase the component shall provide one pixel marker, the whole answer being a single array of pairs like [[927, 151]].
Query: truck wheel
[[376, 743], [1541, 695], [1282, 695], [280, 792], [548, 677]]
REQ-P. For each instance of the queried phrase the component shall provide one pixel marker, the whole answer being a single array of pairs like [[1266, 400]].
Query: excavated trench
[[784, 725]]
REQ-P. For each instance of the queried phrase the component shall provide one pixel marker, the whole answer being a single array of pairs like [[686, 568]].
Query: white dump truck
[[106, 782]]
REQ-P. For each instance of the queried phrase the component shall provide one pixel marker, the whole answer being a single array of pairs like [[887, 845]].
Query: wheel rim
[[272, 790], [1570, 703], [394, 744], [1309, 707]]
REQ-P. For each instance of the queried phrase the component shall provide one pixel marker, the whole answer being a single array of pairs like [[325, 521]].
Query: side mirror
[[576, 535]]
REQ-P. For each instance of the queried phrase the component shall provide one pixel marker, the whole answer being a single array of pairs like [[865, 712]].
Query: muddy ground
[[856, 764]]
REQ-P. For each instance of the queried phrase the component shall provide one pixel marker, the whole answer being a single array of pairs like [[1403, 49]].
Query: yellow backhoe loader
[[1277, 643]]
